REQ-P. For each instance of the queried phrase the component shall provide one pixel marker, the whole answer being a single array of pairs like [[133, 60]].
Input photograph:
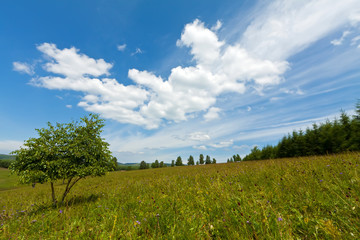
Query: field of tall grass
[[299, 198]]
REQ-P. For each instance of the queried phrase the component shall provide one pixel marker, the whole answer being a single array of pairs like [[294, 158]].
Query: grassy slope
[[302, 198], [7, 181]]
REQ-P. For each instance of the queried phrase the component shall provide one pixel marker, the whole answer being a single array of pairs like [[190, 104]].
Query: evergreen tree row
[[191, 161], [326, 138]]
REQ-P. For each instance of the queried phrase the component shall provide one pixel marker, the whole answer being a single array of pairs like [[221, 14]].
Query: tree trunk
[[68, 187]]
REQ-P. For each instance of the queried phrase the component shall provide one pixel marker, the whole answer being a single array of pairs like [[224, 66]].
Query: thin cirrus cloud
[[257, 60], [285, 28]]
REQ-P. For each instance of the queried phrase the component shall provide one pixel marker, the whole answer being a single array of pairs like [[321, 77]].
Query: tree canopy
[[69, 151]]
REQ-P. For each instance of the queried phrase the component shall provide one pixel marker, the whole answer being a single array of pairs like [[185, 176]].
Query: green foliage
[[173, 163], [143, 165], [179, 161], [70, 152], [201, 159], [208, 160], [213, 161], [5, 163], [299, 198], [191, 160]]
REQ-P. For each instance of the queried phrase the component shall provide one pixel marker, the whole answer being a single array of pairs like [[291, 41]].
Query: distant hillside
[[6, 157], [127, 164]]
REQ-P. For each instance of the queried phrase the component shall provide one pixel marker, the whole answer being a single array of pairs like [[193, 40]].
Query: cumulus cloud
[[257, 60], [68, 62], [23, 68], [213, 113], [121, 47]]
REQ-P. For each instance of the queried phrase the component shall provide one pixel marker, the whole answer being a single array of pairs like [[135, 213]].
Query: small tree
[[162, 164], [201, 159], [173, 163], [143, 165], [157, 164], [208, 160], [178, 161], [214, 161], [70, 152], [191, 160]]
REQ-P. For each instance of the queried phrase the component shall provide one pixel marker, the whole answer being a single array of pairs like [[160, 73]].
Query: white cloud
[[355, 17], [137, 51], [217, 26], [337, 42], [297, 91], [23, 68], [213, 113], [257, 60], [355, 40], [222, 144], [7, 146], [121, 47], [286, 27], [202, 147], [249, 108], [69, 106], [199, 136], [69, 63]]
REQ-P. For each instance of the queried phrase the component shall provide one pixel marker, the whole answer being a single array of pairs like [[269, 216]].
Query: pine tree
[[208, 160], [179, 161], [190, 160], [157, 163], [201, 159]]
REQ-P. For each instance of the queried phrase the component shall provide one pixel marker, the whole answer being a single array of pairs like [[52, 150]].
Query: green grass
[[7, 180], [303, 198]]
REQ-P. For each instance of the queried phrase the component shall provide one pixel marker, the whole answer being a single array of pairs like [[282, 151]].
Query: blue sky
[[174, 78]]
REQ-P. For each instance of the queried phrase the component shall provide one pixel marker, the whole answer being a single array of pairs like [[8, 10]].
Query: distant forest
[[337, 136]]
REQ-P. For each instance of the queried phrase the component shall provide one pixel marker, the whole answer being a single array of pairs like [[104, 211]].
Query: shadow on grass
[[78, 200], [74, 201]]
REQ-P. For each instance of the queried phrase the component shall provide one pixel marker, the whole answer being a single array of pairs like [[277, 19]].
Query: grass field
[[303, 198], [7, 181]]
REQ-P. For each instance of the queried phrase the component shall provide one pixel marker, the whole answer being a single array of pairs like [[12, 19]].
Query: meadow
[[295, 198]]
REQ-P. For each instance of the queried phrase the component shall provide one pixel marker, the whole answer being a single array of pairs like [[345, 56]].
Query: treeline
[[5, 163], [337, 136], [179, 162], [156, 164], [191, 161], [235, 158]]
